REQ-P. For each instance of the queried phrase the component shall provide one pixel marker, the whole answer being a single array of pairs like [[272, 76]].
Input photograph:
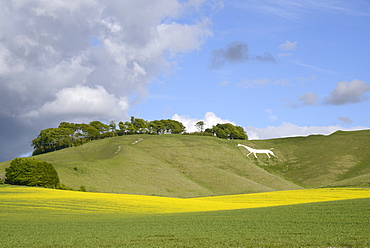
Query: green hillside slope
[[168, 165], [189, 166], [340, 159]]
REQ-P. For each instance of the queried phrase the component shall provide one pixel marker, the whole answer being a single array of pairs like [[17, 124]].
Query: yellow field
[[18, 198]]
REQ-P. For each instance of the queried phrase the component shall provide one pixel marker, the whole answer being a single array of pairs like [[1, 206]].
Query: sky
[[278, 68]]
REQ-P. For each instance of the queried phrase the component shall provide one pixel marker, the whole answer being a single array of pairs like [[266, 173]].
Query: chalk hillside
[[193, 166]]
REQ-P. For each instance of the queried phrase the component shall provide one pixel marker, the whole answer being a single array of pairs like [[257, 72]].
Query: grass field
[[165, 165], [226, 213], [37, 217], [193, 166]]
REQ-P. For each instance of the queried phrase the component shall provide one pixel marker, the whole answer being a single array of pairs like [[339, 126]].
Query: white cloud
[[46, 46], [291, 130], [348, 92], [210, 119], [179, 38], [80, 102], [288, 46], [51, 51]]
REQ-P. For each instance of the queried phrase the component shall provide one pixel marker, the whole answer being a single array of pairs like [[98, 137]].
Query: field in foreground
[[35, 217]]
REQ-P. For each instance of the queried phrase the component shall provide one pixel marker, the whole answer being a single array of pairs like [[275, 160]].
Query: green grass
[[329, 224], [189, 166], [167, 165], [340, 159]]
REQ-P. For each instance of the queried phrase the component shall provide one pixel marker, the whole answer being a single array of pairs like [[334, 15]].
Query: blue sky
[[277, 68], [313, 47]]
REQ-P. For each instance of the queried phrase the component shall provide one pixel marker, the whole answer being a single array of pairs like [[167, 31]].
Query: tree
[[156, 127], [173, 127], [228, 131], [140, 125], [200, 125], [121, 127], [113, 127], [129, 127], [52, 139], [31, 172], [166, 127], [101, 127], [75, 134], [87, 132], [67, 125]]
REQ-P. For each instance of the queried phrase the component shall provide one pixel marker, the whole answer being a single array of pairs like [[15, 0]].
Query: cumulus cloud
[[348, 92], [72, 103], [291, 130], [210, 119], [236, 52], [66, 58]]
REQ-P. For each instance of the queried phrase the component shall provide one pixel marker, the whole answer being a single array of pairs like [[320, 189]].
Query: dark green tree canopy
[[140, 125], [100, 126], [65, 135], [31, 172], [228, 131]]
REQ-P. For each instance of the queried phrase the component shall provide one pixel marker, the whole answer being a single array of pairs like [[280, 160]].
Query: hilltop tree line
[[75, 134], [227, 131]]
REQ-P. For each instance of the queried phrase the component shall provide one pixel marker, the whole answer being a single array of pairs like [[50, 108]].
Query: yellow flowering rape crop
[[27, 198]]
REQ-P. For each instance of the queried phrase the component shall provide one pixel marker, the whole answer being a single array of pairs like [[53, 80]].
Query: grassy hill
[[188, 166], [340, 159]]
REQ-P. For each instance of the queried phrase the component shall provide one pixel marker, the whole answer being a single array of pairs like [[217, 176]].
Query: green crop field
[[36, 217]]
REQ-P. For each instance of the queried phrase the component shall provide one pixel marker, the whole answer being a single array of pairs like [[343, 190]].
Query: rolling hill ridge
[[191, 166]]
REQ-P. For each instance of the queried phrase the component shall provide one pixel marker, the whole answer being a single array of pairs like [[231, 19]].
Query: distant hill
[[340, 159], [189, 166]]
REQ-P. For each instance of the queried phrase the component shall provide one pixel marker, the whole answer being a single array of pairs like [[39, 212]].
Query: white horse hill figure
[[255, 151]]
